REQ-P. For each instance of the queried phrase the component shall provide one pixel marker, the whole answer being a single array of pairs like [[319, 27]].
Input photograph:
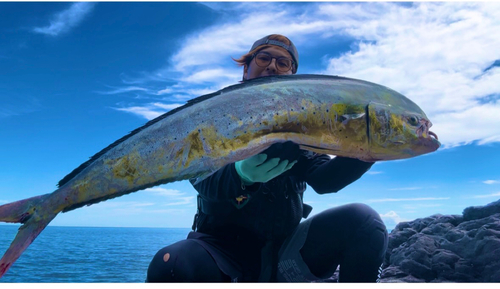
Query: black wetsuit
[[239, 230]]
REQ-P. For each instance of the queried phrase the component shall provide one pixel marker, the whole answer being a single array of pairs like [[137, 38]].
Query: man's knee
[[360, 225], [184, 261], [161, 268], [369, 227]]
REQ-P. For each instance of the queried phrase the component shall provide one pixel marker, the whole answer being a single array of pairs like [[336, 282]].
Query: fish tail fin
[[24, 211], [20, 211]]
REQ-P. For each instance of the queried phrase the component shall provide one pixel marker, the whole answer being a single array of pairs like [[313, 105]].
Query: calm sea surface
[[86, 254]]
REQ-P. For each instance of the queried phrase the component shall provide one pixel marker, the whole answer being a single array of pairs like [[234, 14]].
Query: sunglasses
[[263, 59]]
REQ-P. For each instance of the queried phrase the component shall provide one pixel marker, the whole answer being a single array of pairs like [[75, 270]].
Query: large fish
[[324, 114]]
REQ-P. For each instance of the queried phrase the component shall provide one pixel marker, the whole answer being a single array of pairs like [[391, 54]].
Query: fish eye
[[413, 120]]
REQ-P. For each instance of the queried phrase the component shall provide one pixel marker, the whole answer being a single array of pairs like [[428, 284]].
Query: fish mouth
[[433, 135], [423, 130]]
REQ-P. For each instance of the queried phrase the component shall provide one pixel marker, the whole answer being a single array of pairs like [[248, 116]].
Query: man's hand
[[261, 168]]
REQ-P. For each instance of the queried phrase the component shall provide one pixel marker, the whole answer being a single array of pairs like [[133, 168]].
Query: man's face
[[253, 70]]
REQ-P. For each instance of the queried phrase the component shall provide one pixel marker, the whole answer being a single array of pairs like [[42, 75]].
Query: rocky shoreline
[[446, 248]]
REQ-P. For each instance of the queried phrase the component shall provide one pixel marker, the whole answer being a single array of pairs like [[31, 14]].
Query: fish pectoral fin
[[347, 117], [25, 236]]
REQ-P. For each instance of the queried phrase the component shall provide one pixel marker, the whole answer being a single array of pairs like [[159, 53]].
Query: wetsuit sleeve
[[327, 175], [223, 184]]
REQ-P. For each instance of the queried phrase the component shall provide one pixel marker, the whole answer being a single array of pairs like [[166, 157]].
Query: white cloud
[[434, 53], [182, 201], [495, 138], [404, 200], [127, 204], [175, 212], [6, 112], [144, 207], [486, 196], [167, 106], [124, 90], [414, 206], [491, 182], [392, 218], [374, 172], [120, 205], [406, 189], [176, 197], [164, 192], [63, 21], [151, 110], [211, 75], [141, 111], [167, 90], [19, 105]]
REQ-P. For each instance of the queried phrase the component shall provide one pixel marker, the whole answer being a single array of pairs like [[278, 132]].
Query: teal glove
[[257, 169]]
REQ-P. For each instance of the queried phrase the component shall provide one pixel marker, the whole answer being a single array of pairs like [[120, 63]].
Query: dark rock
[[464, 271], [392, 272], [474, 213], [446, 248], [493, 271]]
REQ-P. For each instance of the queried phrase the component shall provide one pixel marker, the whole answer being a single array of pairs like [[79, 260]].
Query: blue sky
[[75, 77]]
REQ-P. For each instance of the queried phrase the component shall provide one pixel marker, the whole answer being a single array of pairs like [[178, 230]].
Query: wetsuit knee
[[369, 228], [353, 236], [184, 261]]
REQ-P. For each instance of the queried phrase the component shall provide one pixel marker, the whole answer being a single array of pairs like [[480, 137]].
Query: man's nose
[[272, 65]]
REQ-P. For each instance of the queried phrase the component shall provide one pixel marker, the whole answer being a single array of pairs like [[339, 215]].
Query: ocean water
[[87, 254]]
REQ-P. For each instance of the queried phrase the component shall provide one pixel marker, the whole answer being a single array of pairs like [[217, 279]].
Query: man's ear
[[245, 72]]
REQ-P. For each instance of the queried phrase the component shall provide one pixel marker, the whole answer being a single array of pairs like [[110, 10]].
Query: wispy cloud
[[211, 75], [405, 189], [175, 212], [66, 20], [167, 106], [121, 207], [151, 110], [6, 112], [375, 172], [405, 199], [424, 56], [125, 204], [419, 206], [127, 208], [491, 182], [4, 201], [141, 111], [486, 196], [159, 191], [176, 197], [124, 90], [182, 201], [19, 105]]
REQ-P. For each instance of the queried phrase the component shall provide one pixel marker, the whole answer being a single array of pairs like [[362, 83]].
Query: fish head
[[397, 132]]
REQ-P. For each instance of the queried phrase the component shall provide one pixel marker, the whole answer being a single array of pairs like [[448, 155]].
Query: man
[[248, 227]]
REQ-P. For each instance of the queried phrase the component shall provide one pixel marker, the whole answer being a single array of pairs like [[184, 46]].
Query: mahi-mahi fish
[[324, 114]]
